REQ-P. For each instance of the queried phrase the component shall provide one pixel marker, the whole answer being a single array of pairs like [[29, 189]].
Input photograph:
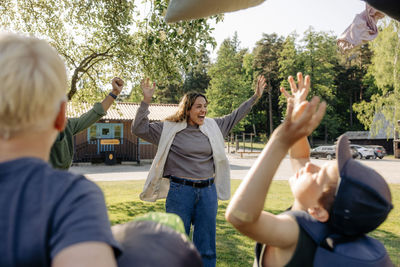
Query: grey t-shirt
[[190, 155]]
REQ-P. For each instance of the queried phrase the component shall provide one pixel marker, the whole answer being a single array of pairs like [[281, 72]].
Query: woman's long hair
[[185, 105]]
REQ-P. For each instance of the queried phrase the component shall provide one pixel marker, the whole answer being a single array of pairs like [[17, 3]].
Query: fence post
[[244, 141], [231, 141], [138, 151], [251, 141], [237, 143]]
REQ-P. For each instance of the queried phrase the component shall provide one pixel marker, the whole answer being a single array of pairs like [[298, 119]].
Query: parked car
[[379, 151], [328, 152], [364, 152], [354, 152]]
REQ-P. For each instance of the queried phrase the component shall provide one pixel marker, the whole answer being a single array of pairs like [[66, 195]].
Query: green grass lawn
[[233, 249]]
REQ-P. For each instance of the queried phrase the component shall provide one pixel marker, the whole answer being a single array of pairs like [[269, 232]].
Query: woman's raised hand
[[147, 90], [260, 86]]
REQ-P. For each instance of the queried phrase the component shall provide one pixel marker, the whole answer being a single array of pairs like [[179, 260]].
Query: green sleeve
[[87, 119]]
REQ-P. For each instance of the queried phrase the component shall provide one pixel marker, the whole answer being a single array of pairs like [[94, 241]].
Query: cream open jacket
[[156, 187]]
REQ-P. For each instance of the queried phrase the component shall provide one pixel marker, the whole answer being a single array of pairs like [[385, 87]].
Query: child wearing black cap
[[345, 196]]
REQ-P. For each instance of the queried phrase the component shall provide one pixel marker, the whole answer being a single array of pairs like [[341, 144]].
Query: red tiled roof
[[125, 111]]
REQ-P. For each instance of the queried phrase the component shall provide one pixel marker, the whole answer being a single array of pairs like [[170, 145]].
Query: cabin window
[[105, 131], [118, 131], [92, 132]]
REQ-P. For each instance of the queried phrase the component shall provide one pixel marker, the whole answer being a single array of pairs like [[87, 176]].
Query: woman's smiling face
[[198, 111]]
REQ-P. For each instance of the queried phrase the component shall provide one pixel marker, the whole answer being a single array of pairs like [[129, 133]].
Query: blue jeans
[[197, 206]]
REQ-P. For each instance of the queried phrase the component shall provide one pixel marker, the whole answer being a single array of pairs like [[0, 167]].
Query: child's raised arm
[[245, 211], [300, 151]]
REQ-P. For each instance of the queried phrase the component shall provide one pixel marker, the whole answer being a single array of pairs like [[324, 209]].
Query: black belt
[[192, 183]]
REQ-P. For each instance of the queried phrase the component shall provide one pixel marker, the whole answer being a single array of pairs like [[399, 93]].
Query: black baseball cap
[[363, 199]]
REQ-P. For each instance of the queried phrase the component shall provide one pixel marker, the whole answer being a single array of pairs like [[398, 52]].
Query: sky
[[286, 16]]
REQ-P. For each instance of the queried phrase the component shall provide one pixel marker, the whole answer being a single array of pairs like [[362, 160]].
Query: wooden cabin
[[386, 136], [110, 139]]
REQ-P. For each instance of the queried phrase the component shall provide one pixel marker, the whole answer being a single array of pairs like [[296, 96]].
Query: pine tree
[[229, 86]]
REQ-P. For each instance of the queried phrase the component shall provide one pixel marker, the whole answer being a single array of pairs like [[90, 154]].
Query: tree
[[289, 64], [229, 85], [353, 85], [100, 39], [193, 78], [320, 56], [266, 54], [385, 69], [289, 61], [315, 55], [197, 78]]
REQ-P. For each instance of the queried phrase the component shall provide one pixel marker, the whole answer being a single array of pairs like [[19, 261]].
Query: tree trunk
[[74, 81], [396, 86], [269, 107], [351, 111], [271, 126], [84, 66]]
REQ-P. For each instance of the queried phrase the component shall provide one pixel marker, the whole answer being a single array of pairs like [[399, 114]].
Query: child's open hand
[[297, 126], [299, 93]]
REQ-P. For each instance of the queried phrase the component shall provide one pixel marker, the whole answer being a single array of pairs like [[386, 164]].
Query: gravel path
[[389, 168]]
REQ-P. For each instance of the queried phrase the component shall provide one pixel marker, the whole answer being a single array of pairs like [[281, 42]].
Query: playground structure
[[396, 143], [239, 143]]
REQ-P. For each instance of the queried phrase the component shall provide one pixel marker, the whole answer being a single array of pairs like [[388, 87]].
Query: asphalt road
[[388, 168]]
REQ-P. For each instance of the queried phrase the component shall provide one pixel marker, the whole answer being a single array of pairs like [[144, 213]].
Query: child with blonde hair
[[49, 217]]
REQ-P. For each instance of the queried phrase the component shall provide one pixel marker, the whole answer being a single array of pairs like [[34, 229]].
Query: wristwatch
[[112, 95]]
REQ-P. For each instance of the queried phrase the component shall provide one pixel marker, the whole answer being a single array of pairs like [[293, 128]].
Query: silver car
[[379, 151], [328, 152], [364, 152]]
